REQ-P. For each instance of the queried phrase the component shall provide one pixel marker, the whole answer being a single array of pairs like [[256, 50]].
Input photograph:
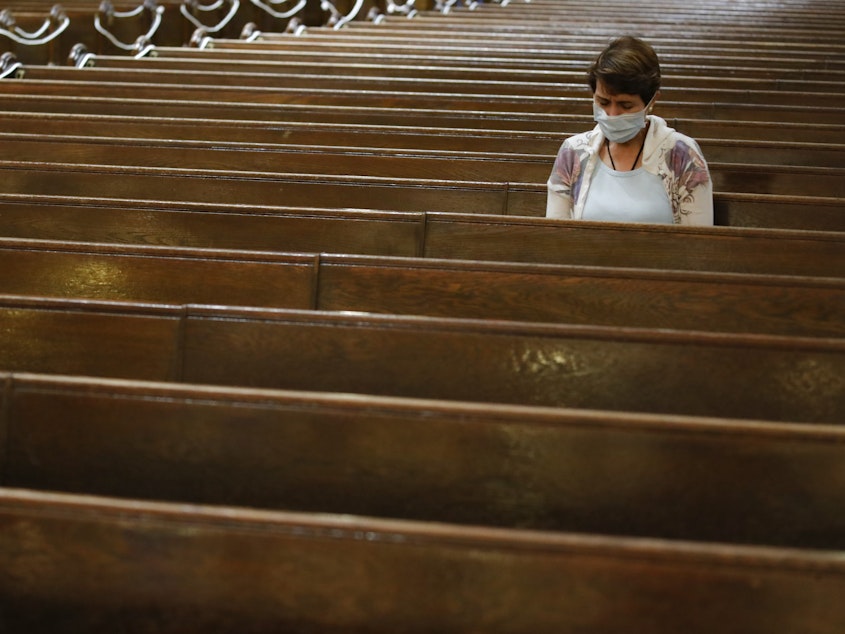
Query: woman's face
[[616, 104]]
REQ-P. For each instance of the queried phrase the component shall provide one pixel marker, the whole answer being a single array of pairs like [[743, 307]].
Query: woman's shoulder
[[578, 144], [671, 139]]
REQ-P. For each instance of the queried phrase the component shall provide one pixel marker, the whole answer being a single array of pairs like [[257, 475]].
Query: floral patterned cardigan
[[672, 156]]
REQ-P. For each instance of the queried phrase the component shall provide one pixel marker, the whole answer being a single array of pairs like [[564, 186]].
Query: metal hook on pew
[[295, 26], [107, 10], [10, 66], [144, 48], [250, 32], [201, 39], [406, 9], [80, 57], [22, 37], [337, 20], [375, 16], [235, 4]]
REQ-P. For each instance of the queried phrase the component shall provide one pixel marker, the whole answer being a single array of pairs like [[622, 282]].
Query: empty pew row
[[581, 23], [781, 305], [776, 17], [116, 182], [175, 568], [778, 378], [422, 63], [164, 85], [508, 466], [373, 64], [583, 29], [700, 19], [349, 42], [424, 234], [536, 96], [223, 134], [237, 73]]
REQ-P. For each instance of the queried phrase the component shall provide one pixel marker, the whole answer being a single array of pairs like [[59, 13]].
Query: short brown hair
[[628, 66]]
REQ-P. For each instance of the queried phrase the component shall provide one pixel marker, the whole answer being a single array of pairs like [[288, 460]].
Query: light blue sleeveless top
[[635, 196]]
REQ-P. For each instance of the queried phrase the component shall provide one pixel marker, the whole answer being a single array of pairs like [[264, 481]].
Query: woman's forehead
[[603, 91]]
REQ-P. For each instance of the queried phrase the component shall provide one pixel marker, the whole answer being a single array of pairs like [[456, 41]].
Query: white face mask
[[622, 127]]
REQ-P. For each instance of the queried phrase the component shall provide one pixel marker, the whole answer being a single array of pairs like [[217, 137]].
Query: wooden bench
[[95, 82], [783, 305], [259, 135], [485, 237], [310, 54], [174, 567], [364, 192], [255, 59], [239, 74], [422, 234], [405, 163], [411, 39], [252, 113], [578, 471], [627, 369]]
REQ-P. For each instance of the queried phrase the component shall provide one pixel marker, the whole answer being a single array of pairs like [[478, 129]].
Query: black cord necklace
[[610, 156]]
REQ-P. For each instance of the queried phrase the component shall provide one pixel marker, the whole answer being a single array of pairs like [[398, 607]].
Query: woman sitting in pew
[[632, 167]]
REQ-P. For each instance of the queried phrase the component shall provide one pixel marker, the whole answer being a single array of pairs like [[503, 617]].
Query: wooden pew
[[249, 114], [174, 567], [158, 274], [758, 22], [254, 188], [584, 28], [782, 305], [258, 135], [425, 234], [365, 192], [294, 51], [256, 59], [93, 82], [408, 163], [235, 73], [60, 126], [578, 471], [797, 379], [793, 67], [609, 297], [485, 237], [748, 30]]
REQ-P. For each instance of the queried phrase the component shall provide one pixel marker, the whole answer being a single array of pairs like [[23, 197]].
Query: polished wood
[[784, 305], [407, 163], [510, 466], [626, 369], [175, 567], [183, 185], [494, 238]]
